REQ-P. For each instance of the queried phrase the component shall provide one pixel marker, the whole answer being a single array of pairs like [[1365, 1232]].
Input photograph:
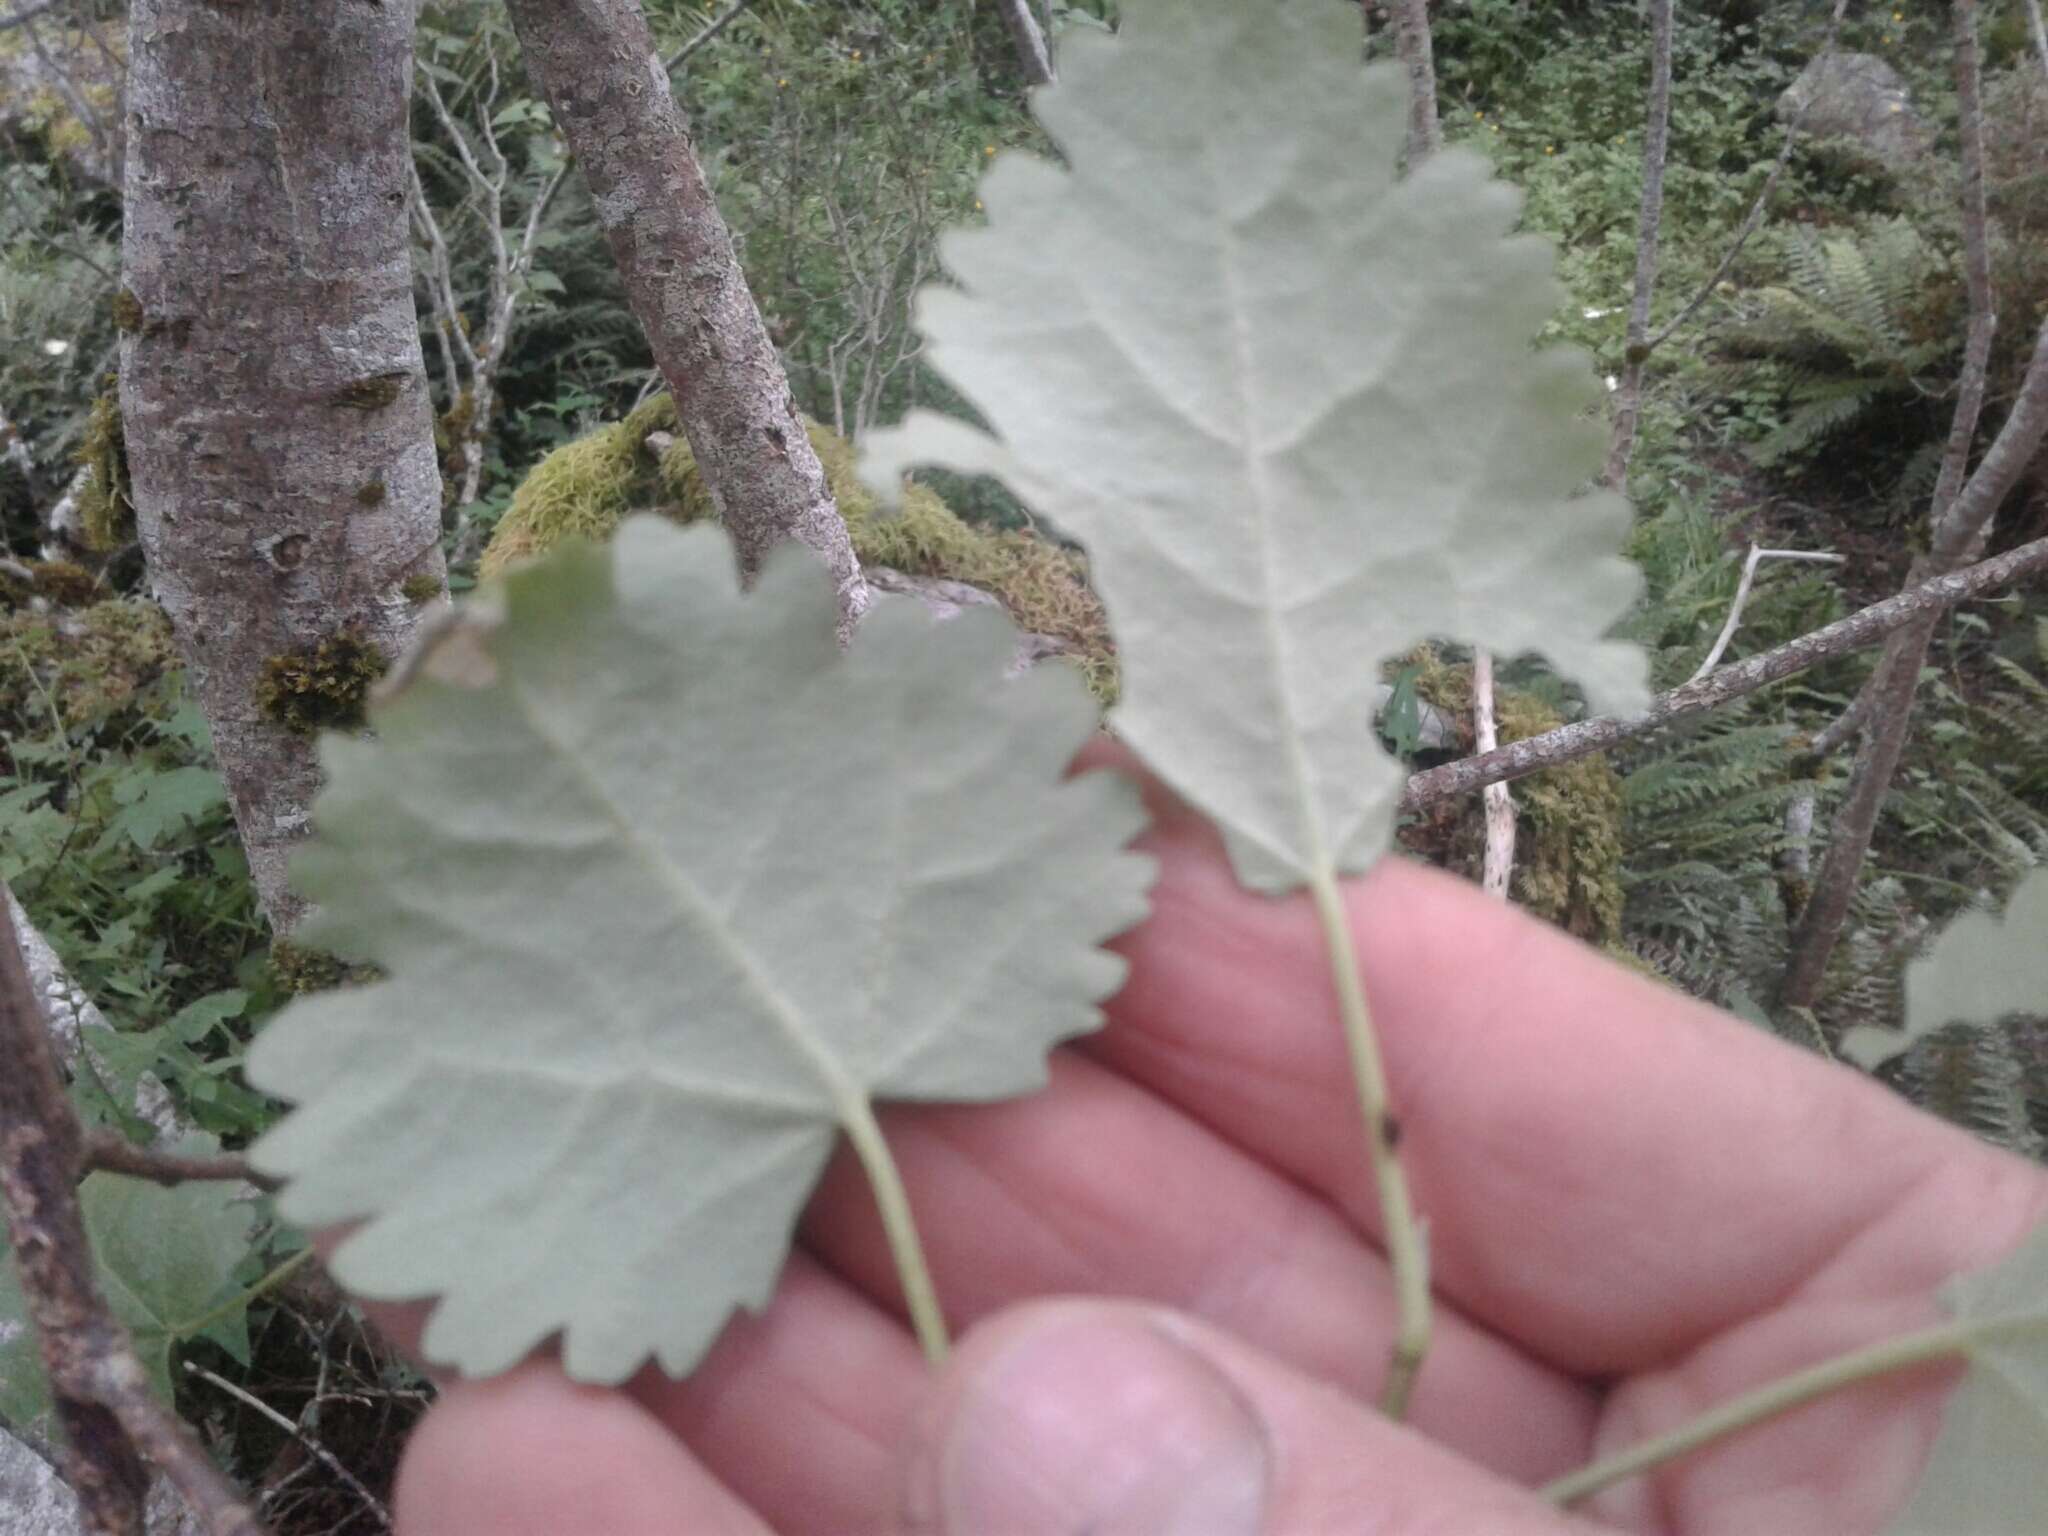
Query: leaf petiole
[[1782, 1396], [1407, 1243], [857, 1117]]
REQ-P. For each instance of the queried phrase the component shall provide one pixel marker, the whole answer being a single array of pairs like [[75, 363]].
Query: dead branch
[[111, 1421], [1628, 399], [1865, 627], [711, 29]]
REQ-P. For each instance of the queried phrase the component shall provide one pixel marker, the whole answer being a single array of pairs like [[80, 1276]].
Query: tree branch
[[1628, 400], [1865, 627], [110, 1419], [26, 15], [1753, 220], [712, 28], [107, 1151]]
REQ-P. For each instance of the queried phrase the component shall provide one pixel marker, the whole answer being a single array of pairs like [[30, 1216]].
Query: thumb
[[1127, 1420]]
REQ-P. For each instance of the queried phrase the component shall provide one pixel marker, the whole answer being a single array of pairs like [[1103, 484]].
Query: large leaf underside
[[1287, 402], [664, 883]]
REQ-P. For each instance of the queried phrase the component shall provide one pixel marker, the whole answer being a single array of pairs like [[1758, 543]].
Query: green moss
[[421, 587], [585, 488], [372, 393], [1568, 819], [128, 316], [324, 686], [63, 583], [106, 509], [371, 493], [300, 968], [88, 664]]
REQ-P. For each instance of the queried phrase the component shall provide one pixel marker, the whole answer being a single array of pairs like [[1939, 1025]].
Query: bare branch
[[1865, 627], [26, 14], [1418, 58], [1961, 517], [1754, 219], [1628, 400], [110, 1152], [1757, 556], [326, 1457], [111, 1420], [711, 29]]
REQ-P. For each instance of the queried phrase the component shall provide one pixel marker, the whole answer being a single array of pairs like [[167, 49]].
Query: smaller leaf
[[1988, 1473], [1979, 970]]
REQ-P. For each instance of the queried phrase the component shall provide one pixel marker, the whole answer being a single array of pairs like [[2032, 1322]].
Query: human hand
[[1637, 1207]]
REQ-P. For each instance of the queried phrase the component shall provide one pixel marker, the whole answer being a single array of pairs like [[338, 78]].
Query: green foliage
[[670, 954], [165, 1259], [1860, 337]]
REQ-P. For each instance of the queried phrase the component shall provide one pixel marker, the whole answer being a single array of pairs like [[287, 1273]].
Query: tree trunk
[[1960, 515], [272, 388], [595, 62], [1418, 58], [1628, 398], [1033, 56]]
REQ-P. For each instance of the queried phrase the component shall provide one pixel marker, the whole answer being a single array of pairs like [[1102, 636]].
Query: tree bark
[[595, 62], [1628, 398], [1033, 56], [1418, 57], [278, 426], [1960, 515]]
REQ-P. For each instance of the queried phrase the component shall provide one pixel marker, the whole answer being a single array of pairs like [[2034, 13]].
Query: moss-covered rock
[[1568, 818], [87, 664], [586, 488]]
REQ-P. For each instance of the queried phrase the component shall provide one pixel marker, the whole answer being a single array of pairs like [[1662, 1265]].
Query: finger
[[532, 1454], [800, 1411], [1097, 1187], [1113, 1418], [1610, 1171]]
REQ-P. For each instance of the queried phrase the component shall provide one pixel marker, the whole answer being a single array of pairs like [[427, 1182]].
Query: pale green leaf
[[666, 885], [1980, 969], [1285, 400], [1988, 1473], [162, 1258]]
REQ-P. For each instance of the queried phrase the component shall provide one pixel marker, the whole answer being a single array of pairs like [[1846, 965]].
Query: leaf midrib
[[696, 909]]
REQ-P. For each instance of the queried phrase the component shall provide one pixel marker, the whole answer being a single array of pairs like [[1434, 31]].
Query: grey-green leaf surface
[[163, 1258], [1983, 967], [1287, 402], [1988, 1473], [664, 882]]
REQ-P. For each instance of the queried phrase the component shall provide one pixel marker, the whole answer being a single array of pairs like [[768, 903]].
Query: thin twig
[[711, 29], [1752, 220], [256, 1405], [1865, 627], [1628, 397], [1757, 555], [25, 15], [110, 1152]]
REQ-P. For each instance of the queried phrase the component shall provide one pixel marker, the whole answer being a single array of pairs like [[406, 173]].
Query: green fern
[[1860, 328]]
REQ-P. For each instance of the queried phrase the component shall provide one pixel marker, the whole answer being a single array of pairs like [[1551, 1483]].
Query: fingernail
[[1104, 1424]]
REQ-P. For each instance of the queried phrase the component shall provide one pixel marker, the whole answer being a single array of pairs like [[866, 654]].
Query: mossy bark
[[595, 61], [276, 369]]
